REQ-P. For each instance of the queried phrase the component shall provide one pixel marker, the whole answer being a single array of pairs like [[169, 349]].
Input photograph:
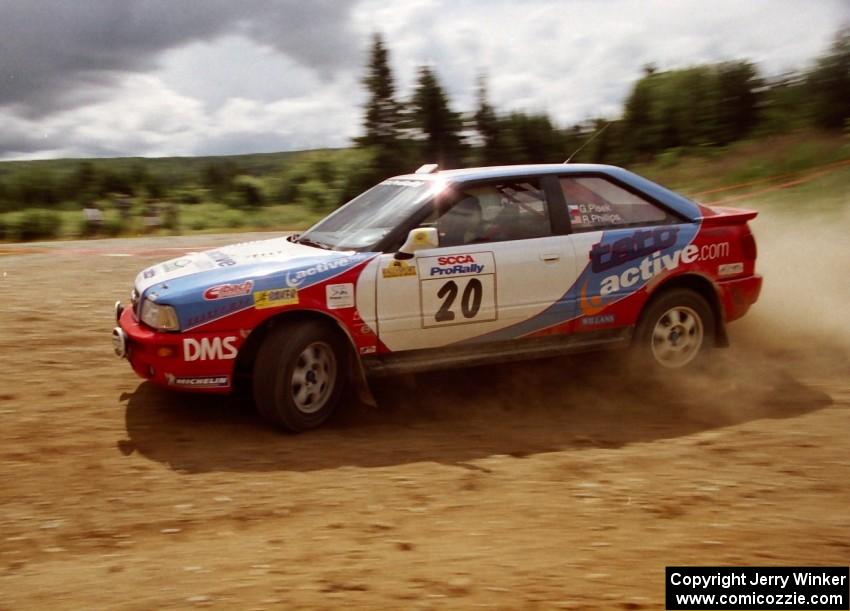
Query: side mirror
[[417, 239]]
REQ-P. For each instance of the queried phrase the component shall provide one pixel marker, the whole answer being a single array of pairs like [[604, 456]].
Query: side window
[[509, 210], [595, 203]]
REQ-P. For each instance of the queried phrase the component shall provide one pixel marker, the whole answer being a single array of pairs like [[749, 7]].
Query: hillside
[[291, 190]]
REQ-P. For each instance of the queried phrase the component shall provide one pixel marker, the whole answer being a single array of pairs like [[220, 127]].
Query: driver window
[[509, 210]]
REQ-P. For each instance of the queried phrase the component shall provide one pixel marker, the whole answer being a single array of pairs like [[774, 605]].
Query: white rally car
[[440, 269]]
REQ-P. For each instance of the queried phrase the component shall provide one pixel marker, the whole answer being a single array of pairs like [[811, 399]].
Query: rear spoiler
[[717, 215]]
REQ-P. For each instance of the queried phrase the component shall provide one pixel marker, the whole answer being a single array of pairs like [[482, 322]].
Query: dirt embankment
[[556, 484]]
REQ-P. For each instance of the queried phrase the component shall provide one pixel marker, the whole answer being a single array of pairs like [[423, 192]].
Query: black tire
[[676, 330], [290, 353]]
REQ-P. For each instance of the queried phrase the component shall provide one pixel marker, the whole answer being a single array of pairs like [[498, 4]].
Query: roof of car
[[662, 194]]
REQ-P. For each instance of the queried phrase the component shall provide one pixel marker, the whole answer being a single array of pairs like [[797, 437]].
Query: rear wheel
[[299, 374], [676, 329]]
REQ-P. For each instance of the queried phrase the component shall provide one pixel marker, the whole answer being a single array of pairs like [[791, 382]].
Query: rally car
[[441, 269]]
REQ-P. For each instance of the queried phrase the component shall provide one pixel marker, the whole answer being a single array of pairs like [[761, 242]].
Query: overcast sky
[[97, 78]]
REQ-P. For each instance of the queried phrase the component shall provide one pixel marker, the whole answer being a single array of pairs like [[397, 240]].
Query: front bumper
[[159, 357]]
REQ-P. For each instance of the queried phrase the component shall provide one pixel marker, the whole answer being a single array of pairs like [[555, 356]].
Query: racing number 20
[[470, 300]]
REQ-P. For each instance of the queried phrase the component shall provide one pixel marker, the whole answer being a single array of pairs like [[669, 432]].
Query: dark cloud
[[56, 54]]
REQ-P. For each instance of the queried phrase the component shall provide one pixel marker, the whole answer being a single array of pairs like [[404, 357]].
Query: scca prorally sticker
[[205, 382], [339, 296], [461, 264], [457, 289], [275, 298], [397, 268], [224, 291]]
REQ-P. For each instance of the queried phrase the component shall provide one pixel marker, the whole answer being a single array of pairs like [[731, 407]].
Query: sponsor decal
[[575, 214], [224, 291], [209, 348], [222, 259], [463, 264], [339, 296], [648, 244], [219, 309], [149, 273], [648, 268], [403, 182], [654, 265], [170, 266], [603, 319], [730, 269], [397, 269], [640, 243], [365, 330], [208, 382], [368, 349], [296, 279], [597, 213], [275, 298], [590, 305]]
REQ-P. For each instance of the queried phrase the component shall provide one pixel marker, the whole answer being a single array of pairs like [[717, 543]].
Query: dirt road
[[555, 484]]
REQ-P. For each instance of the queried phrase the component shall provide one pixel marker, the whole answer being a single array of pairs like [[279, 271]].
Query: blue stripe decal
[[621, 263]]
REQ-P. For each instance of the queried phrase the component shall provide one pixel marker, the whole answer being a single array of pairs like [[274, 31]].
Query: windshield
[[368, 218]]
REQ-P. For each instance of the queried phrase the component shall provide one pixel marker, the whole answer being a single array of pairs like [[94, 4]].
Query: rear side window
[[595, 203]]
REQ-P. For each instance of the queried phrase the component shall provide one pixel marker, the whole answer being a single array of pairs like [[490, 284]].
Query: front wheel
[[299, 375], [675, 329]]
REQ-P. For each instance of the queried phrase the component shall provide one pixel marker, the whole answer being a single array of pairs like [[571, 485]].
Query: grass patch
[[748, 161]]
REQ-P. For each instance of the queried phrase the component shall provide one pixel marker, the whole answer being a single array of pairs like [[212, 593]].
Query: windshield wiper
[[309, 242]]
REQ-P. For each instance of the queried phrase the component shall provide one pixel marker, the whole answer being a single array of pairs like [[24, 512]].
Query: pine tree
[[440, 126], [829, 84], [488, 127], [383, 117]]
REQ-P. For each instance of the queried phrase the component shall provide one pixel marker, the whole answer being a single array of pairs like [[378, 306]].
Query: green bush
[[171, 217], [188, 196], [247, 192], [316, 196], [113, 226], [669, 158], [230, 218], [198, 223], [37, 224]]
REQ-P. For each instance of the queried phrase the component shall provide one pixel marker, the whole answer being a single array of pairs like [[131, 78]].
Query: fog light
[[119, 342]]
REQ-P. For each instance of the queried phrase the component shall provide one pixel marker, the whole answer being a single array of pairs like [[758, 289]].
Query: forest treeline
[[667, 113]]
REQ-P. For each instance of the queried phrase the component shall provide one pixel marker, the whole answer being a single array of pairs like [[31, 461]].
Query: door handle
[[552, 256]]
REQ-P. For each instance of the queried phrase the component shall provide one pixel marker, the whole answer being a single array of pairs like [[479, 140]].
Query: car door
[[498, 266], [625, 241]]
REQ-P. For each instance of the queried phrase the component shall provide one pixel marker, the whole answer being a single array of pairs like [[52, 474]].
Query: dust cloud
[[803, 314], [791, 347]]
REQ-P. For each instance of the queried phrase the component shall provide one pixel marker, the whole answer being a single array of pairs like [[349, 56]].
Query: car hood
[[240, 259], [223, 280]]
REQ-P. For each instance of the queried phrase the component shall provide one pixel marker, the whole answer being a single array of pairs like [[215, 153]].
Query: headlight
[[160, 317]]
